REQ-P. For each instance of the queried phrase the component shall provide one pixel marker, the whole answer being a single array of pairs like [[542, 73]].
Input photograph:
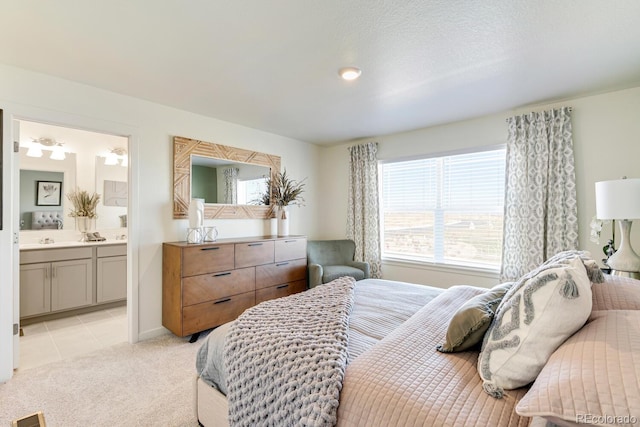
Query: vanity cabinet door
[[111, 282], [71, 284], [35, 289]]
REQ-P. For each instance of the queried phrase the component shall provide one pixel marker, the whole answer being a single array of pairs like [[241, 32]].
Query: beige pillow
[[538, 313], [594, 377], [469, 324], [616, 293]]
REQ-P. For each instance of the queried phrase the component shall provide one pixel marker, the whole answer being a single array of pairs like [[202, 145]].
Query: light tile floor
[[53, 340]]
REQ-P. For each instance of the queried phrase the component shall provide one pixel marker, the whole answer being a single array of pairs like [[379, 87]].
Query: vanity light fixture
[[37, 145], [58, 152], [35, 149], [116, 155], [350, 73]]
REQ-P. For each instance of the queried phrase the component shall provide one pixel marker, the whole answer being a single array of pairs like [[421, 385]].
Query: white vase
[[196, 213], [283, 221], [271, 227]]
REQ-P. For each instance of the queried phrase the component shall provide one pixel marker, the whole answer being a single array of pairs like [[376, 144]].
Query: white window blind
[[444, 209]]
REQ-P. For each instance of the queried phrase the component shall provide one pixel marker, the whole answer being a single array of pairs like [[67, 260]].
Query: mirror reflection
[[34, 213], [225, 182]]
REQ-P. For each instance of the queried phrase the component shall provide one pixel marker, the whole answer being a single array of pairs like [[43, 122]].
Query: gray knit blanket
[[286, 358]]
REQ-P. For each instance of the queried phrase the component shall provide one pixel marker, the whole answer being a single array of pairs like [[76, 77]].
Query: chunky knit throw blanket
[[286, 358]]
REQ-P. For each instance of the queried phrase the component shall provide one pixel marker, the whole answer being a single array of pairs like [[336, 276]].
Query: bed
[[393, 374]]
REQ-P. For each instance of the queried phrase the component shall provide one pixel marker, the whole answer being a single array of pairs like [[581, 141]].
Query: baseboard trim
[[153, 333]]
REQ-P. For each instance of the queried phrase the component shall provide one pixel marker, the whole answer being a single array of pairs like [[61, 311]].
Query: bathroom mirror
[[231, 180], [33, 170]]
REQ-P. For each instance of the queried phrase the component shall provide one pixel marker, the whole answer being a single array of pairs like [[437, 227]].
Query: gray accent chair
[[328, 260]]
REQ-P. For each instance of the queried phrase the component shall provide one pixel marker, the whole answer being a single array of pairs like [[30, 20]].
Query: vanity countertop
[[68, 244]]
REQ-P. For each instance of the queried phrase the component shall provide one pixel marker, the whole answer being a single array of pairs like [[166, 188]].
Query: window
[[251, 191], [444, 209]]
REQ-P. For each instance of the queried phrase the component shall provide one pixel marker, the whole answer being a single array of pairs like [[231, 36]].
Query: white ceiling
[[272, 65]]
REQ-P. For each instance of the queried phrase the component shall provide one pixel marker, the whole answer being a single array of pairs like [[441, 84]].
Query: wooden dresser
[[206, 285]]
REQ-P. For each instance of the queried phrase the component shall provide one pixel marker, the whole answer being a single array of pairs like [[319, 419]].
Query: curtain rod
[[568, 108]]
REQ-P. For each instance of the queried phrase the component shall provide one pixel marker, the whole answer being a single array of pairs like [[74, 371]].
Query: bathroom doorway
[[73, 293]]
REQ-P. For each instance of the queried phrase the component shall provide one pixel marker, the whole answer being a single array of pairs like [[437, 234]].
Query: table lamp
[[620, 200]]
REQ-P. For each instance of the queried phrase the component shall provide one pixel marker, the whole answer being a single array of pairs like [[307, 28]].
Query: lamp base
[[625, 258], [631, 274]]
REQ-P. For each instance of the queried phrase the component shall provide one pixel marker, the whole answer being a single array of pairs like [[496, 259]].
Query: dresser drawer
[[288, 249], [281, 272], [203, 259], [278, 291], [213, 286], [254, 253], [199, 317]]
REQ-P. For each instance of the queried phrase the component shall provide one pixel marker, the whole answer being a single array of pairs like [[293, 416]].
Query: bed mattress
[[377, 311]]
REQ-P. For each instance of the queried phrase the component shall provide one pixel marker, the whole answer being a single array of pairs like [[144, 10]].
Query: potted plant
[[285, 192], [83, 209]]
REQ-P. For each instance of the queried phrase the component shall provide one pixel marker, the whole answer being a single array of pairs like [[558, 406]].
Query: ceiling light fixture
[[350, 73]]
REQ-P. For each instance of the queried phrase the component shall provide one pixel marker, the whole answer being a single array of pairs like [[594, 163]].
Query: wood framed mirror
[[186, 151]]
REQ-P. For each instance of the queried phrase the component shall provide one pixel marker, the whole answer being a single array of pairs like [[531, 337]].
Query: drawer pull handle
[[228, 273], [282, 286], [222, 300], [210, 249], [290, 241], [280, 264], [254, 244]]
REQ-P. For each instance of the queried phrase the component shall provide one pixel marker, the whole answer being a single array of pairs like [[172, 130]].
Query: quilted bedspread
[[404, 381]]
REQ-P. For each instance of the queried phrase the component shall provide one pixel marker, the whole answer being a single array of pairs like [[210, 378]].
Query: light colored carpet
[[151, 383]]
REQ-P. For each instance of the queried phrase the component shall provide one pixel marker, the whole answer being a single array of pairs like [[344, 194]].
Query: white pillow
[[537, 315]]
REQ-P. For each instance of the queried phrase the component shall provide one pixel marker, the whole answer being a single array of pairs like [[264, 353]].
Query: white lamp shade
[[111, 159], [618, 199], [35, 150], [57, 153]]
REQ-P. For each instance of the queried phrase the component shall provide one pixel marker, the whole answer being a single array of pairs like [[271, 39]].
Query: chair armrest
[[364, 266], [315, 274]]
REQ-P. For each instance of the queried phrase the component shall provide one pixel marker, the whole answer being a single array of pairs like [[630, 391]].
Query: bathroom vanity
[[65, 278]]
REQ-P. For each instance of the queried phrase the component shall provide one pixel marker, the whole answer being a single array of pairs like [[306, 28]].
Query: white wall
[[606, 131], [48, 99]]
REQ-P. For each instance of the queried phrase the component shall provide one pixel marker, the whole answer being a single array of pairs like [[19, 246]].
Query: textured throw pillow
[[593, 378], [593, 269], [469, 324], [536, 315]]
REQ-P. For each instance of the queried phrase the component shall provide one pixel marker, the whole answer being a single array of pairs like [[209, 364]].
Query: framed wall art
[[115, 193], [48, 193]]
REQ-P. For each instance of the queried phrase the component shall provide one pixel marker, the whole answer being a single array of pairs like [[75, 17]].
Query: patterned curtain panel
[[363, 222], [541, 211], [231, 185]]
